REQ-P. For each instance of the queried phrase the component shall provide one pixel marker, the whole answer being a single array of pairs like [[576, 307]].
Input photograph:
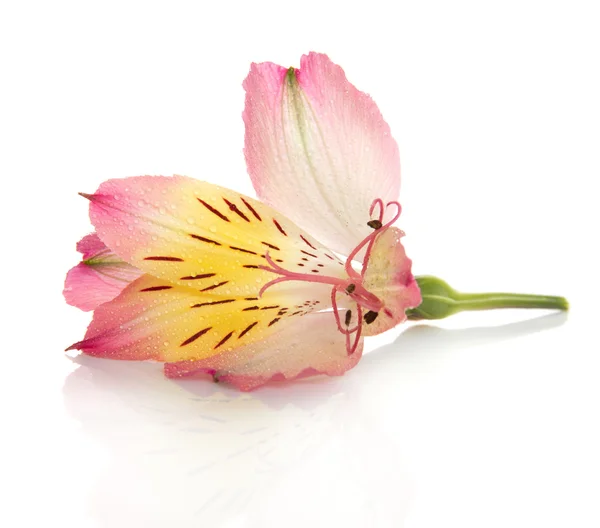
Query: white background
[[485, 420]]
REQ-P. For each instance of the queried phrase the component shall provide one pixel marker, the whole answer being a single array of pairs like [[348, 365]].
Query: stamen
[[351, 286], [351, 348], [370, 239], [348, 317], [370, 316], [375, 203], [290, 275], [368, 300], [336, 313]]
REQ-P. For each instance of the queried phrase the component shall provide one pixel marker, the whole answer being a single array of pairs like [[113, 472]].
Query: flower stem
[[439, 300], [490, 301]]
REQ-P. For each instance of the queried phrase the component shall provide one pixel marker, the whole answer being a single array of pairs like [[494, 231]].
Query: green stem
[[440, 300], [490, 301]]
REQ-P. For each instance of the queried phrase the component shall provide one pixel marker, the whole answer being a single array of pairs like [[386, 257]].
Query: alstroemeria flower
[[250, 292]]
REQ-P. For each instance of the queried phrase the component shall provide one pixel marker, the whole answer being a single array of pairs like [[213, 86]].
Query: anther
[[375, 224], [370, 316], [348, 317], [350, 288]]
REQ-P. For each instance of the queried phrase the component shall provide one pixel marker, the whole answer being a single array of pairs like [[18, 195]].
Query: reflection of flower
[[223, 275], [194, 453]]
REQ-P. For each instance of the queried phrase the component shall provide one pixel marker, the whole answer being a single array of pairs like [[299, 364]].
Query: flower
[[239, 288]]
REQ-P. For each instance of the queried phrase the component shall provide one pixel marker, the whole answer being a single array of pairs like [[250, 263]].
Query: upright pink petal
[[99, 277], [310, 346], [318, 149]]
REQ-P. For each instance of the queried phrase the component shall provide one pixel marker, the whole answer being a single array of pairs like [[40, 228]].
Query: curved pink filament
[[350, 346], [351, 349], [385, 226], [379, 202], [274, 264], [291, 275], [271, 283], [336, 313], [370, 239], [367, 299]]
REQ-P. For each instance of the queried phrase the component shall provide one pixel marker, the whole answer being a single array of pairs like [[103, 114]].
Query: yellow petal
[[155, 319], [200, 235]]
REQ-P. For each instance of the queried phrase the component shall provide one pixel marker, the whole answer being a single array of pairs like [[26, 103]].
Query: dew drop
[[213, 229]]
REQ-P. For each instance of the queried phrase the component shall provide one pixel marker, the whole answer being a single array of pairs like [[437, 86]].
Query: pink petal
[[389, 277], [99, 278], [91, 246], [318, 149], [158, 320], [310, 346]]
